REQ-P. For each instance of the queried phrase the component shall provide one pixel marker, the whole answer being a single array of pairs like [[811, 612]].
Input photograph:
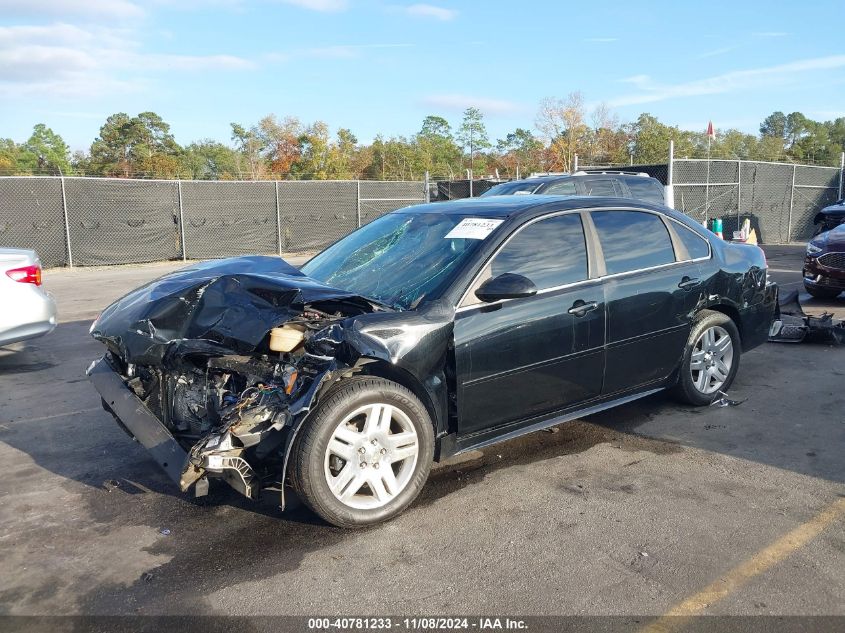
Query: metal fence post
[[670, 174], [574, 162], [738, 191], [358, 202], [791, 201], [278, 218], [841, 170], [67, 225], [427, 185], [181, 221]]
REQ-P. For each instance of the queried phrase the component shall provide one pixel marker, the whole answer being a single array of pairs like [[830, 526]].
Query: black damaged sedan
[[431, 331]]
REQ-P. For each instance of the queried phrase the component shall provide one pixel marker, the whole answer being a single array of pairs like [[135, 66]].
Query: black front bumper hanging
[[140, 422]]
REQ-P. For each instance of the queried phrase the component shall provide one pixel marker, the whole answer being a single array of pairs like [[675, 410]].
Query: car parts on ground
[[793, 325]]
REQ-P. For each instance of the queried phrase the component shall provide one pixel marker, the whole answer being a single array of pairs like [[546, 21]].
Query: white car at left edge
[[26, 309]]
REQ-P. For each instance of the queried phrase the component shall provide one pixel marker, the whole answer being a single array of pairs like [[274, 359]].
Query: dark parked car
[[433, 330], [830, 217], [620, 184], [824, 265]]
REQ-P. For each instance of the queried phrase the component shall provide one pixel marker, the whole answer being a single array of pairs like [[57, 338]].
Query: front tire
[[711, 359], [365, 452]]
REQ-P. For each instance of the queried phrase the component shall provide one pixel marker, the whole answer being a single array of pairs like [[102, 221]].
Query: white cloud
[[431, 11], [459, 103], [715, 52], [652, 91], [323, 6], [337, 51], [98, 9], [67, 60], [188, 62], [826, 115]]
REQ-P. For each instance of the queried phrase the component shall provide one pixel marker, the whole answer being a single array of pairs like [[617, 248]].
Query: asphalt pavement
[[646, 509]]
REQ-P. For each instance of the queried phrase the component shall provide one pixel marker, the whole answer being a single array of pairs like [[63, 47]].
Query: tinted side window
[[646, 189], [696, 245], [564, 188], [551, 252], [601, 187], [632, 240]]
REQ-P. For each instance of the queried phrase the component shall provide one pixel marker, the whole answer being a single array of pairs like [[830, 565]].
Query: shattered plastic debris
[[723, 401], [793, 325]]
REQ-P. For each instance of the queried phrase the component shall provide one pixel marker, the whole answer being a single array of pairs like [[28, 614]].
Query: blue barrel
[[717, 226]]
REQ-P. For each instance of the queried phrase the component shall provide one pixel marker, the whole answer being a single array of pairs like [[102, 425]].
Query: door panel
[[648, 321], [527, 357], [650, 298]]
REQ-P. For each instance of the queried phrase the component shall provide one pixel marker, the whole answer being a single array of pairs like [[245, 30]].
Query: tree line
[[143, 146]]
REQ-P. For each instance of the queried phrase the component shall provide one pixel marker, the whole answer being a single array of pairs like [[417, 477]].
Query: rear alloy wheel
[[365, 452], [711, 358]]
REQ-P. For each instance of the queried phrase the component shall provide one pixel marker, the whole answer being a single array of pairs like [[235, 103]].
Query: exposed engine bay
[[224, 409], [230, 362]]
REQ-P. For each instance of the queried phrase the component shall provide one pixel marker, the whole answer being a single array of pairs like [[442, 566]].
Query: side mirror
[[506, 286]]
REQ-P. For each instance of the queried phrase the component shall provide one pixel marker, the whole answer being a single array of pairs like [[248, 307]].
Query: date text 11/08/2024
[[417, 624]]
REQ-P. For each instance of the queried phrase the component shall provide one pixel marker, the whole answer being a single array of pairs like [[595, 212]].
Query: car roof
[[510, 206]]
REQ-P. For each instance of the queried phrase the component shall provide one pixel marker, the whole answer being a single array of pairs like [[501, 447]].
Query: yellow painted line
[[768, 557]]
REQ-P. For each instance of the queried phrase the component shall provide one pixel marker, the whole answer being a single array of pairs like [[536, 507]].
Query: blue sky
[[381, 66]]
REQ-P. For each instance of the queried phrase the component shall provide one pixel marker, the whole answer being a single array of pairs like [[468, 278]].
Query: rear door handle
[[580, 308], [688, 283]]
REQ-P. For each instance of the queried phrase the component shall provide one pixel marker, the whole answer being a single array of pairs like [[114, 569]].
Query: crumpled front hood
[[216, 307]]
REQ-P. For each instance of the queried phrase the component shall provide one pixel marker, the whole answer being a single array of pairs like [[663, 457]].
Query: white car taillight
[[26, 275]]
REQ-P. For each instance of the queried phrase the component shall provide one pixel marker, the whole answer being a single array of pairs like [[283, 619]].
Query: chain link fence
[[780, 199], [96, 221], [32, 216]]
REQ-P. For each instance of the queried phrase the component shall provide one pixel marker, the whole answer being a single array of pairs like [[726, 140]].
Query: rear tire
[[364, 453], [711, 359]]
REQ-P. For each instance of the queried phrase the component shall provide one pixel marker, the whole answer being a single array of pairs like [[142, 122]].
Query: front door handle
[[688, 283], [580, 308]]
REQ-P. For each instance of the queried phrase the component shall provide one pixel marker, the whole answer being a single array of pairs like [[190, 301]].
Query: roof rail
[[613, 172], [540, 174]]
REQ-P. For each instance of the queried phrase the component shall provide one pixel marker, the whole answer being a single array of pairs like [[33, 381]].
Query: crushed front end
[[213, 367]]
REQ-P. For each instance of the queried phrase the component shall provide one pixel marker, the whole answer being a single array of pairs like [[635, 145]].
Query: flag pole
[[707, 186]]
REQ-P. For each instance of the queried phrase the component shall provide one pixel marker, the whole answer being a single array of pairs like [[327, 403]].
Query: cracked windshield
[[399, 259]]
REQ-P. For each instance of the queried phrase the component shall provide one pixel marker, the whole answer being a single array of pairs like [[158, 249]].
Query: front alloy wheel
[[364, 453], [371, 456]]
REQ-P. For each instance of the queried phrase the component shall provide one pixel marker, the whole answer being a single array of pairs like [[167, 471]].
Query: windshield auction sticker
[[473, 229]]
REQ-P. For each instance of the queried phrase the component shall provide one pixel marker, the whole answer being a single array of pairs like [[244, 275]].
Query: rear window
[[562, 188], [646, 189], [600, 187], [632, 240], [511, 188], [696, 245]]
